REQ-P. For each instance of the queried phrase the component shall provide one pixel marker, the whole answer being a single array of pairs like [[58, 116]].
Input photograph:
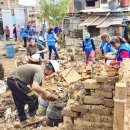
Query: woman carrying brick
[[123, 50]]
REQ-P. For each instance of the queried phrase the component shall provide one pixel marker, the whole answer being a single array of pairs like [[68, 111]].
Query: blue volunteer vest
[[108, 47], [88, 45], [23, 33], [51, 39], [122, 47], [40, 41]]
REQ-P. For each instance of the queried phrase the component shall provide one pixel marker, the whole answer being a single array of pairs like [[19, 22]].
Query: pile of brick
[[91, 99], [90, 106]]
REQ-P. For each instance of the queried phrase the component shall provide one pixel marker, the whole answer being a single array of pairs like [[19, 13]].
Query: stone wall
[[122, 98], [91, 101]]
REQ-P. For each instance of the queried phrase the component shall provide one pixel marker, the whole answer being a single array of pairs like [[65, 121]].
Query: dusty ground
[[9, 63]]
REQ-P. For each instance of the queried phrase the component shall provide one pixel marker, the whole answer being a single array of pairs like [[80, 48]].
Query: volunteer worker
[[89, 48], [123, 50], [32, 75]]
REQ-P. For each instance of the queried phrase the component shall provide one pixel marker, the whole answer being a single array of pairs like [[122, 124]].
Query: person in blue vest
[[41, 39], [51, 41], [24, 35], [123, 50], [89, 48], [32, 33], [105, 46]]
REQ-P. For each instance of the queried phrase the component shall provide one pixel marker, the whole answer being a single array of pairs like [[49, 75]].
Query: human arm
[[123, 54], [83, 46], [41, 91], [92, 42]]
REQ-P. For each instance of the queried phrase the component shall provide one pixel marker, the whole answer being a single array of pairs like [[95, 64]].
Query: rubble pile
[[91, 99], [90, 106]]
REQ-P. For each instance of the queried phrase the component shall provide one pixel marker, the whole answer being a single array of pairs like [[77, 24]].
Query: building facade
[[6, 4]]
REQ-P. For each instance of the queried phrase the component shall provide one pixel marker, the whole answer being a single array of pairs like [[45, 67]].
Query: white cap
[[22, 27], [55, 65]]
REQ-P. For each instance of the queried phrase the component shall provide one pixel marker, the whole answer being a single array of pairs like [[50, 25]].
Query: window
[[77, 6], [103, 1], [90, 2]]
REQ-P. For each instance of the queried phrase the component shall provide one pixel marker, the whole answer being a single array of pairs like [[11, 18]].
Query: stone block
[[91, 84], [90, 100], [92, 117], [101, 79], [109, 103], [119, 107], [101, 110], [105, 118], [98, 93], [82, 122], [80, 108], [120, 91], [69, 113]]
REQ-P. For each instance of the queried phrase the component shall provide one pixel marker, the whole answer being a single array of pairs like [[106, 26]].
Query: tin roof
[[89, 20], [98, 21], [111, 21]]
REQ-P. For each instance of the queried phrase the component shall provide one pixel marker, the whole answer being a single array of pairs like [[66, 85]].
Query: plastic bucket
[[113, 5], [10, 51], [124, 3]]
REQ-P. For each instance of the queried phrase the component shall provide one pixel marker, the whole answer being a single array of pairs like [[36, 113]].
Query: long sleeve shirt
[[123, 54]]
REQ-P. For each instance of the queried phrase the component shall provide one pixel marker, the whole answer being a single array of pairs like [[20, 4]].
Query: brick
[[67, 120], [80, 108], [108, 87], [82, 122], [69, 113], [101, 79], [119, 115], [101, 110], [90, 100], [91, 84], [103, 94], [104, 118], [109, 103], [92, 117], [128, 91], [120, 91]]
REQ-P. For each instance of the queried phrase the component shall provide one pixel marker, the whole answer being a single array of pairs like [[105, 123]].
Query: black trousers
[[25, 41], [23, 95]]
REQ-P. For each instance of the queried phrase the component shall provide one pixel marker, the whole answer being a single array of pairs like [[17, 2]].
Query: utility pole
[[8, 1]]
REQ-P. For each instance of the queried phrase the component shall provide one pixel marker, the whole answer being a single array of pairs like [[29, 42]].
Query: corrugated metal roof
[[98, 21], [89, 20], [117, 21], [110, 21]]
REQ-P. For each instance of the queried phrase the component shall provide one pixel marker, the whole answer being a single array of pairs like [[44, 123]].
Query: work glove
[[113, 63]]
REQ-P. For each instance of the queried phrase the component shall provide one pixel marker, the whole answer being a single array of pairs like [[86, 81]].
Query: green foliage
[[54, 12]]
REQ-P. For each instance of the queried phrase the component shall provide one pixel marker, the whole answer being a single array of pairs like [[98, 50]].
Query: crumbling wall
[[122, 98], [90, 106]]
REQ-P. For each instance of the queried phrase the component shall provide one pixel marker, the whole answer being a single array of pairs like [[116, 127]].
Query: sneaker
[[35, 119], [23, 124]]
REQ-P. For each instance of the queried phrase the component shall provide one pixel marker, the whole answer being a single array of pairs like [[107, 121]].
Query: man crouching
[[18, 82]]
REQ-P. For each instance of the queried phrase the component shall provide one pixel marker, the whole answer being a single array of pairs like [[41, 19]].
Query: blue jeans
[[50, 52]]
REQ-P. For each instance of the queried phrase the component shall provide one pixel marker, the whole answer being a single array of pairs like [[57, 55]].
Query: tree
[[54, 10]]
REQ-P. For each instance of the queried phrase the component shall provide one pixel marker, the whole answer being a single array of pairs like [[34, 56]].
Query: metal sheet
[[111, 21], [117, 21], [98, 21], [89, 20]]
